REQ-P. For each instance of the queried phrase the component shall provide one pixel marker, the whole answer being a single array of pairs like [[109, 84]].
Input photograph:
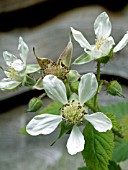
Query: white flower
[[16, 68], [104, 42], [71, 111]]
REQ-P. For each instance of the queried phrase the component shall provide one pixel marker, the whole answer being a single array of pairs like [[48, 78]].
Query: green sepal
[[32, 68], [52, 108], [65, 127], [98, 148], [84, 58], [73, 75], [74, 86], [43, 62], [66, 55], [39, 84], [28, 81], [105, 59], [34, 104]]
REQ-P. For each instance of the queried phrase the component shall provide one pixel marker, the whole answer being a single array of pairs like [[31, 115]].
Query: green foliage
[[113, 166], [84, 168], [120, 152], [120, 110], [98, 148], [52, 108]]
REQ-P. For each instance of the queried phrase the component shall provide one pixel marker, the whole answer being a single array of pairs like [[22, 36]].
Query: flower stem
[[42, 96], [98, 80]]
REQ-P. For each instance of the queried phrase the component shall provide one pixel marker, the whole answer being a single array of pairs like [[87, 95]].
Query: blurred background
[[45, 25]]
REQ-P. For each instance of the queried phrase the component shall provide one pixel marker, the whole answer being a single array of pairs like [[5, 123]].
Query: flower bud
[[115, 89], [34, 104]]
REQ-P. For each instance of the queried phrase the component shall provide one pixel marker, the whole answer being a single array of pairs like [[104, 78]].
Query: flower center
[[58, 70], [12, 73], [73, 113], [99, 42]]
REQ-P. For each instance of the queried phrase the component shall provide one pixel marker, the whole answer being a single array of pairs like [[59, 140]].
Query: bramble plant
[[98, 132]]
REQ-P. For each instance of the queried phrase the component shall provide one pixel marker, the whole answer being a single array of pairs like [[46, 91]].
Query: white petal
[[100, 121], [7, 84], [43, 124], [18, 65], [23, 48], [55, 89], [76, 141], [78, 36], [9, 58], [87, 87], [122, 43], [107, 46], [95, 54], [102, 26]]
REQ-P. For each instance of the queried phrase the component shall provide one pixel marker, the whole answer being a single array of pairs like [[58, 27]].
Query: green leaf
[[84, 168], [52, 108], [120, 152], [98, 148], [113, 166], [119, 109], [84, 58]]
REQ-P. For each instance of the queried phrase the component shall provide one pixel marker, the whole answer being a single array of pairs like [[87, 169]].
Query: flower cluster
[[79, 110]]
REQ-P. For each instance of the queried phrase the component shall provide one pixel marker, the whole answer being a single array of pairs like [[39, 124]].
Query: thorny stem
[[98, 80]]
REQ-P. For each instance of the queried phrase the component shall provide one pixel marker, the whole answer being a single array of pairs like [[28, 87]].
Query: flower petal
[[94, 54], [107, 46], [43, 124], [87, 87], [18, 65], [9, 58], [78, 36], [76, 141], [102, 26], [7, 84], [23, 48], [55, 89], [100, 121], [122, 43]]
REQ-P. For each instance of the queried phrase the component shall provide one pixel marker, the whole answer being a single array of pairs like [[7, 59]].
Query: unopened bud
[[34, 104], [115, 89]]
